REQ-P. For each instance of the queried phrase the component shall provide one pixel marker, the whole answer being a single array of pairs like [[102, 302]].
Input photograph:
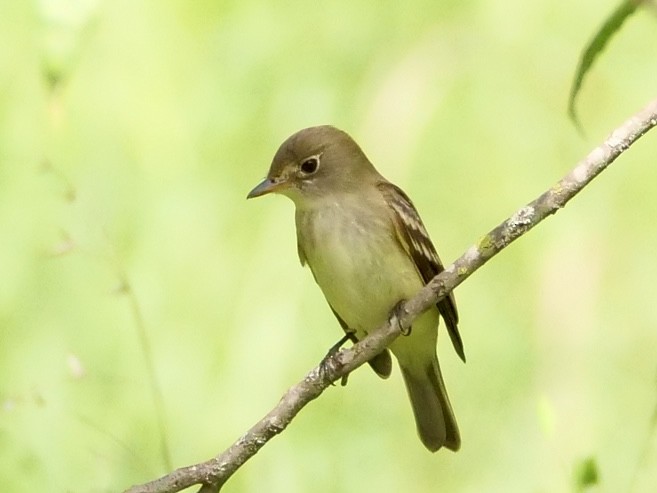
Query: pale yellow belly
[[363, 273]]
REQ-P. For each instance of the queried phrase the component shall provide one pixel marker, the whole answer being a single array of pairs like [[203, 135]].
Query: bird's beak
[[268, 185]]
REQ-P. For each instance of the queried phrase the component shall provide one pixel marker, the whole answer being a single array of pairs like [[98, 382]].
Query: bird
[[368, 251]]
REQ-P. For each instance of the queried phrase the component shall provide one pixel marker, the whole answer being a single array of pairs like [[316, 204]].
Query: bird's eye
[[310, 165]]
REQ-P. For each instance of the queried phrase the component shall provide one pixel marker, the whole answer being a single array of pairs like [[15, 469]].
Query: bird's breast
[[358, 263]]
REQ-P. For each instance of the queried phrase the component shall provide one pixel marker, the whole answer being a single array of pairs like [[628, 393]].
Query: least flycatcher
[[368, 250]]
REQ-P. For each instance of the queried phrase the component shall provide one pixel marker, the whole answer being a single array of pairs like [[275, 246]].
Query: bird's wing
[[381, 363], [302, 255], [415, 240]]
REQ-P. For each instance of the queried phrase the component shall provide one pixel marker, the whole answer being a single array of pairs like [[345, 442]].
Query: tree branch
[[213, 473]]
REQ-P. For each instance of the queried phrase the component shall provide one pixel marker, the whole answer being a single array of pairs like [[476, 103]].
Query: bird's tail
[[434, 417]]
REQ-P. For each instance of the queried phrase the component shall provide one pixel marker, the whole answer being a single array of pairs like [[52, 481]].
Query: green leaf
[[597, 44], [586, 474]]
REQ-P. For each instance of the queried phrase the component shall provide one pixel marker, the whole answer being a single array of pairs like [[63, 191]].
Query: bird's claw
[[327, 364], [395, 318]]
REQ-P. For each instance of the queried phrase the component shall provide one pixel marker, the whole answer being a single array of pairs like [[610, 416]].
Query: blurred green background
[[130, 133]]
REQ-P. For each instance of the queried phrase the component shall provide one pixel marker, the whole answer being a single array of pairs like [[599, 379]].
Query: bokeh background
[[130, 133]]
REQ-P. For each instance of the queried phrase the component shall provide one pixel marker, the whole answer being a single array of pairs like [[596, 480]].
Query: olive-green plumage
[[367, 248]]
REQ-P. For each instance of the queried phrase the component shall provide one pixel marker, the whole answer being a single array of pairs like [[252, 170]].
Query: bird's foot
[[326, 365], [395, 318]]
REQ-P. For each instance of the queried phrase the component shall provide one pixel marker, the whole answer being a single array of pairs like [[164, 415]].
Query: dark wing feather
[[414, 238], [382, 362]]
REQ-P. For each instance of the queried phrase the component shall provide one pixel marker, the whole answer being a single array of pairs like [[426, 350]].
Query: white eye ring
[[310, 165]]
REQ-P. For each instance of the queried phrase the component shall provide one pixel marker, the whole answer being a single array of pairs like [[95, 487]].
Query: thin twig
[[215, 472], [147, 356]]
